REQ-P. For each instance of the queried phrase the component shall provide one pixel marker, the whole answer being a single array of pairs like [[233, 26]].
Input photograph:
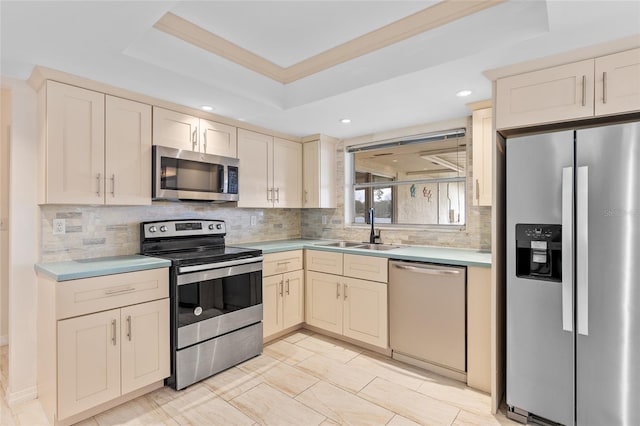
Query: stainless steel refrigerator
[[573, 275]]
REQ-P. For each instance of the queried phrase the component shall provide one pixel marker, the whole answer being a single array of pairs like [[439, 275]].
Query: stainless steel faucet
[[374, 238]]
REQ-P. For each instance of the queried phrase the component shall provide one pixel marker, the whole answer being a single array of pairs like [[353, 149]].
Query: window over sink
[[411, 181]]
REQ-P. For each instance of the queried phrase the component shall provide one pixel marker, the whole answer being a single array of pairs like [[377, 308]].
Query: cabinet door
[[482, 156], [145, 344], [365, 311], [479, 328], [88, 361], [319, 173], [127, 152], [75, 145], [324, 301], [255, 152], [311, 174], [618, 83], [287, 173], [218, 139], [272, 288], [175, 130], [293, 294], [550, 95]]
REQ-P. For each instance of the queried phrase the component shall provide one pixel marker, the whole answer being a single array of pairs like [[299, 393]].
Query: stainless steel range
[[216, 297]]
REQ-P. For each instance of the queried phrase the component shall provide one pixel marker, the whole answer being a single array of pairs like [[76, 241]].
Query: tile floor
[[301, 379]]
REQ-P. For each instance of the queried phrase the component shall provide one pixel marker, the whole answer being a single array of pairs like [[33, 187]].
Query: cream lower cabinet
[[282, 292], [352, 307], [479, 328], [101, 341], [104, 355]]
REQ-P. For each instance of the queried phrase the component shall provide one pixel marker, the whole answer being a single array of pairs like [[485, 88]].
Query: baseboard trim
[[23, 395], [434, 368]]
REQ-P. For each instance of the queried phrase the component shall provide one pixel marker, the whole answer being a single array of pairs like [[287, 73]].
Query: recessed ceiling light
[[207, 107], [345, 120], [241, 119], [463, 93]]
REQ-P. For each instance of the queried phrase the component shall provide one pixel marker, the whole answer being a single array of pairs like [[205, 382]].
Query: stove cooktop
[[204, 255]]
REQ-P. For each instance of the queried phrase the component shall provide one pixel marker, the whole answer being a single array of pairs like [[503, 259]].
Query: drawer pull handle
[[284, 263], [113, 332], [345, 292], [288, 286], [337, 290], [129, 327], [281, 289], [118, 291]]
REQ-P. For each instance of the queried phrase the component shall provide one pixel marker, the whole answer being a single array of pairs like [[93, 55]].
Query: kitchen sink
[[382, 247], [343, 244]]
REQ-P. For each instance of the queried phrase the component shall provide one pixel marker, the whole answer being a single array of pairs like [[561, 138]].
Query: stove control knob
[[152, 229], [219, 226], [211, 227], [163, 228]]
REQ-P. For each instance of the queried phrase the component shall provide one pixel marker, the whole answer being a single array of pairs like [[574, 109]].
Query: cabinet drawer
[[323, 261], [87, 295], [279, 263], [365, 267]]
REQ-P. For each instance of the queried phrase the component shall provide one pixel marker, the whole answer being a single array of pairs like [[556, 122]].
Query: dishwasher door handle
[[428, 271]]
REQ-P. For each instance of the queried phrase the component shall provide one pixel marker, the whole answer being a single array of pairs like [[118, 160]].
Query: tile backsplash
[[96, 231]]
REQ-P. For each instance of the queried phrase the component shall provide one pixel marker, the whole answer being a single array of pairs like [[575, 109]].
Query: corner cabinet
[[95, 148], [591, 88], [482, 142], [282, 292], [319, 173], [342, 304], [182, 131], [102, 341], [270, 171]]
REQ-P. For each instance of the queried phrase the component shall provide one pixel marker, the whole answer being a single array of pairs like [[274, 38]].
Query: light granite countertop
[[444, 255], [87, 268]]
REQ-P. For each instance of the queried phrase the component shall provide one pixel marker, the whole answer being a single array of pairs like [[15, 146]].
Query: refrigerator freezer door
[[539, 351], [608, 358]]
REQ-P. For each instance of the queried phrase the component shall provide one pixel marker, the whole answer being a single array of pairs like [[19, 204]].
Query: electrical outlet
[[324, 220], [59, 226], [254, 220]]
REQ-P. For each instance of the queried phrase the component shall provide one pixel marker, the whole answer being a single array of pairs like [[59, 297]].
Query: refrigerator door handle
[[567, 249], [582, 249]]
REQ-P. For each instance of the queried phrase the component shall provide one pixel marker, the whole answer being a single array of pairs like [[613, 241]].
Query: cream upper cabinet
[[282, 291], [319, 173], [127, 152], [73, 145], [482, 142], [255, 152], [218, 139], [594, 87], [270, 171], [618, 83], [96, 148], [479, 328], [175, 130], [183, 131], [550, 95]]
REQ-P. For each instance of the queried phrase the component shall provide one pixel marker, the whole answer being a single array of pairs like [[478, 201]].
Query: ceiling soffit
[[427, 19]]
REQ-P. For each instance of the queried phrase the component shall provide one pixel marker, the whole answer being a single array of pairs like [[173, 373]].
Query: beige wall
[[5, 121], [23, 242]]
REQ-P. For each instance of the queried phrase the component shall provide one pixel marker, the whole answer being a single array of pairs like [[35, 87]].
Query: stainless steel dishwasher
[[427, 316]]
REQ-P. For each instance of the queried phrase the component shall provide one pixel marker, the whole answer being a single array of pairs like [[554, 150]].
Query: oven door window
[[186, 175], [210, 298]]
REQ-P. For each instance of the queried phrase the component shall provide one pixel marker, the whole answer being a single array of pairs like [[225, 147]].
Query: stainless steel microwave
[[187, 175]]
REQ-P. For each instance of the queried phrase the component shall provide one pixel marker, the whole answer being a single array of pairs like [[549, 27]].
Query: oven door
[[218, 300], [187, 175]]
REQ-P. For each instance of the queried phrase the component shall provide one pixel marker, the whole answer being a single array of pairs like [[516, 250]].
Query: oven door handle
[[218, 265], [212, 274]]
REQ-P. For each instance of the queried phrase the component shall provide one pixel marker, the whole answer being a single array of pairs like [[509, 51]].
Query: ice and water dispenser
[[539, 252]]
